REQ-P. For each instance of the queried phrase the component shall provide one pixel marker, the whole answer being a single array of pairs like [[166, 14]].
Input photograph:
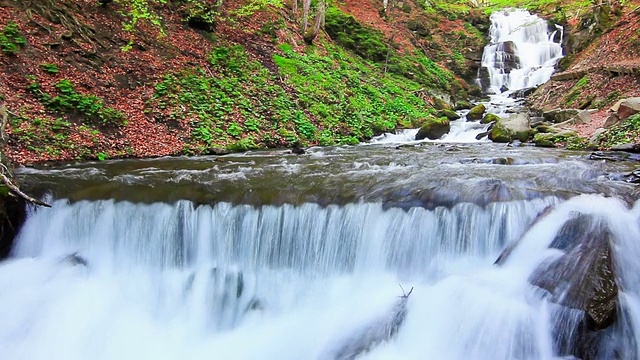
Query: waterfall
[[120, 280], [521, 54]]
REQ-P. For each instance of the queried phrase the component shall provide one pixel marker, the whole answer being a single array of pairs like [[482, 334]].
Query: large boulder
[[583, 117], [628, 107], [560, 115], [433, 128], [476, 112], [581, 283], [514, 127]]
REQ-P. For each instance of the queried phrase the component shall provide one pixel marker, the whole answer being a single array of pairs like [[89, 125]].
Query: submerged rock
[[375, 334]]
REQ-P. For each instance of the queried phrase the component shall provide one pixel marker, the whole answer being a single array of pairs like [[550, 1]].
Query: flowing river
[[270, 255]]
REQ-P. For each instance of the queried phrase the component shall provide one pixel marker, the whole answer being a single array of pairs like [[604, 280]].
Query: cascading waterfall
[[522, 53], [118, 280]]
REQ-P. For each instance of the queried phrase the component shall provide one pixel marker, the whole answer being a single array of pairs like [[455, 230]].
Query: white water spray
[[522, 52]]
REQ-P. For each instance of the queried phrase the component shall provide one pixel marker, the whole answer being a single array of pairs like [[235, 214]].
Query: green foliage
[[255, 5], [241, 105], [50, 68], [349, 33], [576, 91], [67, 100], [11, 40], [53, 136], [625, 132]]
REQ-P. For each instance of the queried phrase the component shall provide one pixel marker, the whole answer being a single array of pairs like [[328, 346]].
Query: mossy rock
[[500, 134], [545, 129], [434, 128], [476, 113], [440, 104], [463, 105], [449, 114], [489, 118], [551, 139]]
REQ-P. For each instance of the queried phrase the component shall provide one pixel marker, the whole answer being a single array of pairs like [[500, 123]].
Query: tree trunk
[[317, 24], [306, 7]]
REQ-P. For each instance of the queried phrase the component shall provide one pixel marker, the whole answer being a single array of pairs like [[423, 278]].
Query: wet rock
[[484, 78], [522, 93], [631, 147], [297, 149], [489, 118], [433, 129], [582, 285], [75, 259], [476, 112], [614, 156], [374, 334], [583, 277], [12, 216], [632, 177], [509, 59], [560, 115]]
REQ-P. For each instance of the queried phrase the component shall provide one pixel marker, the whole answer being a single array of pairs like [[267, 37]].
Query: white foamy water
[[175, 281], [535, 51]]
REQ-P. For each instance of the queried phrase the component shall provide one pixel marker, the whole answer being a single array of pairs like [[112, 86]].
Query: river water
[[270, 255]]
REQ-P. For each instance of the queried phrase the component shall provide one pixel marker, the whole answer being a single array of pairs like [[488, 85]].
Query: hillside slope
[[81, 85]]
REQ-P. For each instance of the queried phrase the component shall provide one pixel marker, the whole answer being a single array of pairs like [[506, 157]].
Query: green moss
[[433, 128], [349, 33], [489, 118], [476, 112], [500, 134], [449, 114]]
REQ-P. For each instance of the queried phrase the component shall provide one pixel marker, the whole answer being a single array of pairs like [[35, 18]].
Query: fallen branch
[[16, 191]]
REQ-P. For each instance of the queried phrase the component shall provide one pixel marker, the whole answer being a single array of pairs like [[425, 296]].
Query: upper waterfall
[[522, 52]]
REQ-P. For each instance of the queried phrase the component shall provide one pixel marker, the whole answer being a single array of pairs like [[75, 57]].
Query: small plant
[[50, 68], [11, 40]]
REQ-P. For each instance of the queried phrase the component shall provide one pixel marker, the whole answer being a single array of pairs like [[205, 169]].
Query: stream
[[385, 250]]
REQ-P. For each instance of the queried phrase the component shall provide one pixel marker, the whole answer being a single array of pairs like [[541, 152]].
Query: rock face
[[507, 58], [476, 113], [583, 277], [582, 284], [433, 129], [514, 127], [484, 79], [12, 216]]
